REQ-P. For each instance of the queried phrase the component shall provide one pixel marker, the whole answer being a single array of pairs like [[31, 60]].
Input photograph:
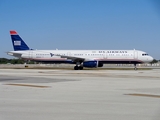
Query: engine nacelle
[[92, 64]]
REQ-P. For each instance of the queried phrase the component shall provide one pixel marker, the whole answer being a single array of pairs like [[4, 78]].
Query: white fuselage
[[67, 56]]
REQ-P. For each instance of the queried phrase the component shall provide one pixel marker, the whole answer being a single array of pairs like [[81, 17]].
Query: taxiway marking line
[[29, 85], [144, 95]]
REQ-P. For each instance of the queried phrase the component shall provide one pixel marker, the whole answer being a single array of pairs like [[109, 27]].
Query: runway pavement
[[34, 94]]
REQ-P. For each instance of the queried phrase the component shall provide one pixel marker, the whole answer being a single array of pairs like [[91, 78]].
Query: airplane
[[81, 58]]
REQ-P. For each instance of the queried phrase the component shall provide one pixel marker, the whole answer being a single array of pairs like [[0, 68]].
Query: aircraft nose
[[150, 59]]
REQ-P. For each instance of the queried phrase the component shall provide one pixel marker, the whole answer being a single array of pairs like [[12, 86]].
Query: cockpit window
[[144, 54]]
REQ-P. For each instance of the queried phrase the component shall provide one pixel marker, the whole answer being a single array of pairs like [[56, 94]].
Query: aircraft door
[[104, 55], [135, 54], [31, 54], [69, 54]]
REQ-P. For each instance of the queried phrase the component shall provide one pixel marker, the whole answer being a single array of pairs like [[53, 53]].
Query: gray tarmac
[[34, 94]]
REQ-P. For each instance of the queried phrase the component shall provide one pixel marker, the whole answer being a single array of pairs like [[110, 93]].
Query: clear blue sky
[[82, 24]]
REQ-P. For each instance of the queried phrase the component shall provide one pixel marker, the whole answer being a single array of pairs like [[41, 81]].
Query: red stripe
[[48, 59], [12, 32]]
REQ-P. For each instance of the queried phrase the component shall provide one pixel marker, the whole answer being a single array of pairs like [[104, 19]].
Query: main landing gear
[[78, 67]]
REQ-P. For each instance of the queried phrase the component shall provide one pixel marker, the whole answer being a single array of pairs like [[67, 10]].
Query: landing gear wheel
[[135, 67], [75, 67], [80, 67]]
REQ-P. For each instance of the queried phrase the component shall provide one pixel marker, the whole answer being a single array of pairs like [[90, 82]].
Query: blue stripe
[[21, 46]]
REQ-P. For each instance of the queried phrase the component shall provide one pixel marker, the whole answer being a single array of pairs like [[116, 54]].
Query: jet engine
[[92, 64]]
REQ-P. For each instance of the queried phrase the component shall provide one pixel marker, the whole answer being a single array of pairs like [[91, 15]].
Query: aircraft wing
[[73, 58]]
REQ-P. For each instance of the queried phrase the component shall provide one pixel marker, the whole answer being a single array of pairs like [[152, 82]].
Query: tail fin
[[18, 43]]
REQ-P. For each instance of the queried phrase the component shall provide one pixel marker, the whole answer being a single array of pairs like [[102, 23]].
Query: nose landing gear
[[135, 66]]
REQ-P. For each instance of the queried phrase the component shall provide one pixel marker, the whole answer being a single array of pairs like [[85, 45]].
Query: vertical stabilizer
[[18, 43]]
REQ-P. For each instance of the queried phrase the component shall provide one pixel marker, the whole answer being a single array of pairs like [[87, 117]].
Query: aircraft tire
[[76, 68], [81, 68]]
